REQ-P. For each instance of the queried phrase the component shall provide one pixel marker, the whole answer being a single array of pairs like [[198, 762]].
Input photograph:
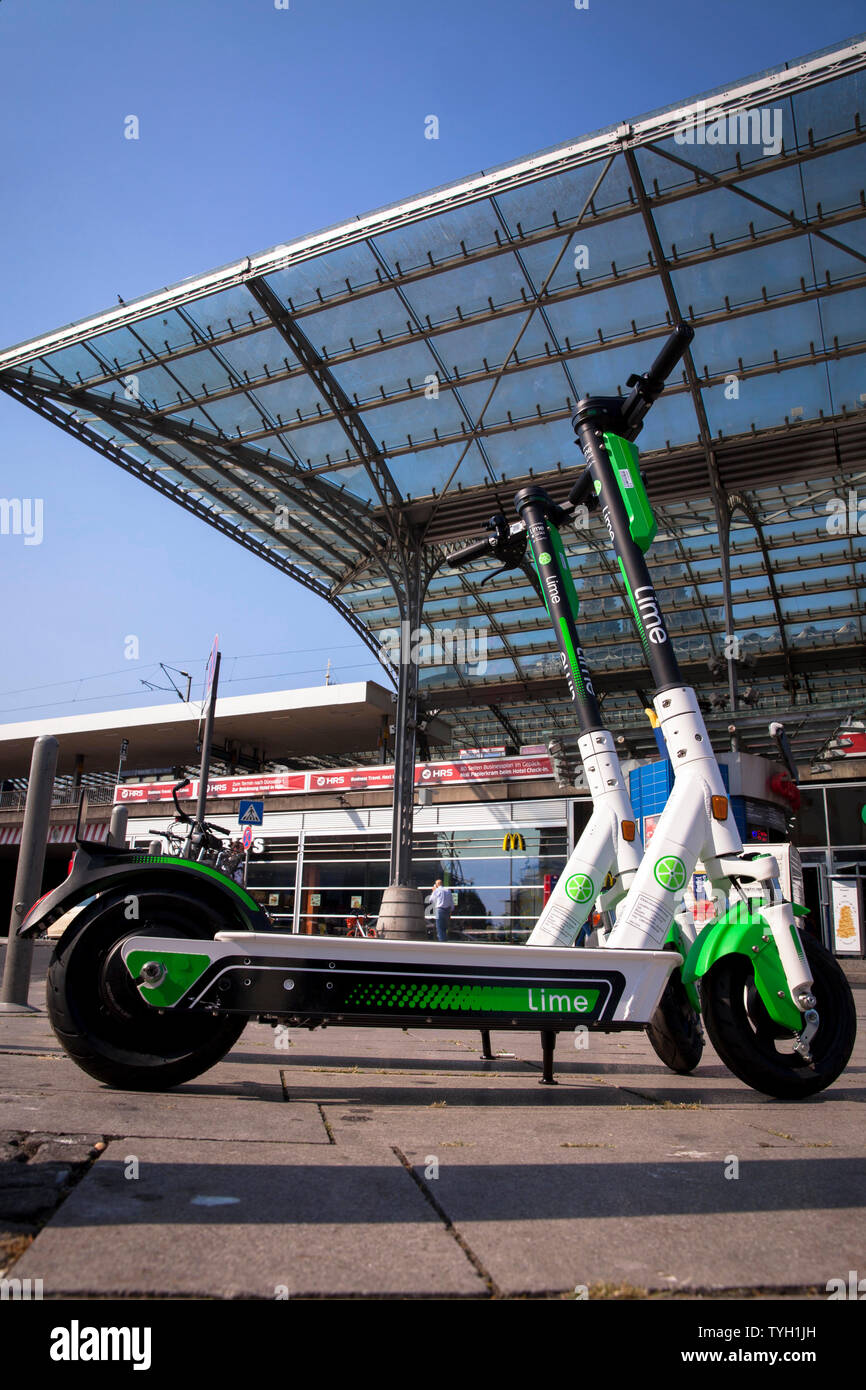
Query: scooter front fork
[[609, 845]]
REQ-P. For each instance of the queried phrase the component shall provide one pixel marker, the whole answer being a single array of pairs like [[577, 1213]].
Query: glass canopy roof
[[381, 387]]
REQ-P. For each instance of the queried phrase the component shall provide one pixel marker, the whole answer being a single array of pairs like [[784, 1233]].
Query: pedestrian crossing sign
[[251, 813]]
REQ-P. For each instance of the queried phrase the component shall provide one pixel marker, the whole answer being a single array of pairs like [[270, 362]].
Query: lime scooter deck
[[386, 983]]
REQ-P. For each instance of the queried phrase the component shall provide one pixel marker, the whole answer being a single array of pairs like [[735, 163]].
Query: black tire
[[100, 1019], [675, 1029], [756, 1049]]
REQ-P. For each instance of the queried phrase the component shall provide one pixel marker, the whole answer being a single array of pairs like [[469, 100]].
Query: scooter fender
[[744, 930], [132, 872]]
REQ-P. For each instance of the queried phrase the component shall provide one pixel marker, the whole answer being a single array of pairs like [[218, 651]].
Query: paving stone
[[220, 1220], [616, 1175]]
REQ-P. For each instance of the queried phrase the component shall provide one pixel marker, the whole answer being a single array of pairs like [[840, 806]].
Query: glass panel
[[216, 313], [252, 352], [848, 383], [843, 316], [834, 181], [703, 288], [326, 272], [287, 397], [417, 474], [540, 447], [533, 204], [767, 399], [592, 253], [69, 364], [687, 223], [416, 416], [464, 352], [838, 262], [467, 288], [358, 321], [364, 374], [475, 225], [519, 392]]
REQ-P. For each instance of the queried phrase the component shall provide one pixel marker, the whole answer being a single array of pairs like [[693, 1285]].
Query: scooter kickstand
[[548, 1043], [486, 1050]]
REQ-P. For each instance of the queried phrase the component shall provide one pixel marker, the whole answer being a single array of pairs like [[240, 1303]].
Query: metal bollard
[[28, 878], [117, 828]]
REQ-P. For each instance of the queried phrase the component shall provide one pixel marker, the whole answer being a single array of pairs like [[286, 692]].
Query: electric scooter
[[777, 1005], [158, 973], [603, 864]]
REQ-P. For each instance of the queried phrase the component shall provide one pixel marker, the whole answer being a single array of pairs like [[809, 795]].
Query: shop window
[[846, 808], [810, 827]]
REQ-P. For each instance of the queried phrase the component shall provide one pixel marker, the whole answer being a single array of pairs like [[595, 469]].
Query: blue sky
[[258, 125]]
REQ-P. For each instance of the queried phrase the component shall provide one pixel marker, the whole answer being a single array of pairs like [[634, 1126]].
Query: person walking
[[443, 904]]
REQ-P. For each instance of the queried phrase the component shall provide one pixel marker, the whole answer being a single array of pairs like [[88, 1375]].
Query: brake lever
[[509, 549]]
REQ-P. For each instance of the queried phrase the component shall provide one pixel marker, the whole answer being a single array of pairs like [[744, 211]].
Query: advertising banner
[[373, 778]]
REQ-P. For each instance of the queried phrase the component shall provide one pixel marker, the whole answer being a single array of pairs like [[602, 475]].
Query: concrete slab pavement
[[382, 1163]]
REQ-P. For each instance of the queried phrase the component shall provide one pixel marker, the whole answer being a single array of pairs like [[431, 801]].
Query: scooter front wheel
[[97, 1013], [761, 1053], [675, 1029]]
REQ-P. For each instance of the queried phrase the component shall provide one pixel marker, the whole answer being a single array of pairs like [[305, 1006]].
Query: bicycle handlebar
[[178, 786]]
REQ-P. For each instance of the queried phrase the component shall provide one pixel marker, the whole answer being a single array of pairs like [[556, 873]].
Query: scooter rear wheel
[[97, 1013], [756, 1049]]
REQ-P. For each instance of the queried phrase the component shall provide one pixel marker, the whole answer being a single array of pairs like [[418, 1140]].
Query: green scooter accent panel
[[182, 971], [624, 459], [741, 930]]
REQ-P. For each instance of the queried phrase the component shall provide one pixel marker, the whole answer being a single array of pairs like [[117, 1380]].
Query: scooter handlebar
[[476, 551], [670, 354]]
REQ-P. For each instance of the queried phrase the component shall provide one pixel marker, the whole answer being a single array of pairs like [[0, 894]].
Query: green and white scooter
[[156, 975], [777, 1005], [603, 864]]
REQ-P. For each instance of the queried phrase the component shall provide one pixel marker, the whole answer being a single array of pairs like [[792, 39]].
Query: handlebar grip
[[671, 353], [218, 829], [475, 551]]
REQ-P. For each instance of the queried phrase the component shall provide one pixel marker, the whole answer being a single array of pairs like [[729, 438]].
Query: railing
[[62, 796]]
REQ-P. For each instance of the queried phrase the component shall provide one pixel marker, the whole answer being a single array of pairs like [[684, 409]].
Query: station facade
[[496, 828]]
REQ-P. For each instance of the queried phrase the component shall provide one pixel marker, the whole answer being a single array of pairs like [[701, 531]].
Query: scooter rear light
[[720, 807]]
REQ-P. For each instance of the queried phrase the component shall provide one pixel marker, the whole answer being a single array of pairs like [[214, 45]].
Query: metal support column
[[406, 729], [723, 521], [28, 879]]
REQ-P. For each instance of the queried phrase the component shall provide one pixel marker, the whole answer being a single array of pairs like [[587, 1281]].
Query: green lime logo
[[580, 888], [670, 872], [544, 558]]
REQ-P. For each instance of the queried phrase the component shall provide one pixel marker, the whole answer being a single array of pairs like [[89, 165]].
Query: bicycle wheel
[[98, 1015], [756, 1049]]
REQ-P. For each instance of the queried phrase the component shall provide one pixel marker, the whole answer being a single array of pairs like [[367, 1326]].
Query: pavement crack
[[38, 1171], [330, 1133], [492, 1286]]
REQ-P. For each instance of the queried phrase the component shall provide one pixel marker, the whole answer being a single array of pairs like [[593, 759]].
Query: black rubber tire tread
[[742, 1032], [675, 1029], [144, 1051]]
